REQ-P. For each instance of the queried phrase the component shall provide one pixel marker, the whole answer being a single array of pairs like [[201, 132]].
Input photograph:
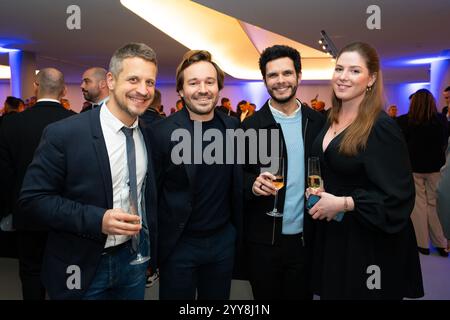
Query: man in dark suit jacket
[[279, 248], [83, 192], [19, 138], [226, 107], [199, 201]]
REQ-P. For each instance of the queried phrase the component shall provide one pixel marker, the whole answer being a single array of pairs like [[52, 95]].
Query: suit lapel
[[102, 154], [150, 172], [183, 121]]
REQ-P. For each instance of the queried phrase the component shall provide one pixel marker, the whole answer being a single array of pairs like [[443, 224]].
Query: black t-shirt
[[212, 188]]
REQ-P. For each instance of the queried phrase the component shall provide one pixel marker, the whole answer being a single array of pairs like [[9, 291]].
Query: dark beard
[[284, 100]]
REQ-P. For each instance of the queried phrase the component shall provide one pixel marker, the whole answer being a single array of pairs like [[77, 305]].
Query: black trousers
[[279, 272], [31, 246]]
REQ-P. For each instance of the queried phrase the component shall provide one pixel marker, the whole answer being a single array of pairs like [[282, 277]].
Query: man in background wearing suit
[[94, 87], [199, 204], [19, 138], [83, 192], [225, 106]]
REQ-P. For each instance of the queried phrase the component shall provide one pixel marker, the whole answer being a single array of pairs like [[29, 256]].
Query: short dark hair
[[447, 89], [241, 103], [277, 52], [12, 102], [224, 100], [194, 56]]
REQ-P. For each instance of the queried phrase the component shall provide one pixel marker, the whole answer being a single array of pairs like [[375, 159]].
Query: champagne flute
[[136, 238], [278, 183], [315, 182]]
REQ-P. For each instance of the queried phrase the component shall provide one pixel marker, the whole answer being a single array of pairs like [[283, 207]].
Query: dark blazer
[[230, 113], [68, 188], [150, 116], [258, 227], [175, 182], [20, 134]]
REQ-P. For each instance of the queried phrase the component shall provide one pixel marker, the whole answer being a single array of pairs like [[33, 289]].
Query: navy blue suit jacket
[[67, 189]]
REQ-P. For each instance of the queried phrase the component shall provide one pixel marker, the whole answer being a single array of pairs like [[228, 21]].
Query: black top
[[211, 200], [176, 179], [426, 143], [379, 231]]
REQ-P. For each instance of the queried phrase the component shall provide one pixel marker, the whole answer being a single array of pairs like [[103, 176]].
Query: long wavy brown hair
[[356, 135], [422, 107]]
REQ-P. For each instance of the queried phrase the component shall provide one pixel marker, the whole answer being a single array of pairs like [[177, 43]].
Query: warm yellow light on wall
[[5, 72]]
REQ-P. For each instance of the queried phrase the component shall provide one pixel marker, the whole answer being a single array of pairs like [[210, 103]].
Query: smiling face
[[281, 79], [200, 89], [351, 77], [132, 91]]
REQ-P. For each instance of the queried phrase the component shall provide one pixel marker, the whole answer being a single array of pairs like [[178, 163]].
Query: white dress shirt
[[117, 153]]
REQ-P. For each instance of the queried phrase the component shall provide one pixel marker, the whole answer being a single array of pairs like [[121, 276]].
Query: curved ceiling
[[409, 29]]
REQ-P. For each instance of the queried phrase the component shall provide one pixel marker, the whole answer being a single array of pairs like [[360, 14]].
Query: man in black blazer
[[199, 200], [278, 248], [19, 137], [225, 107], [83, 192]]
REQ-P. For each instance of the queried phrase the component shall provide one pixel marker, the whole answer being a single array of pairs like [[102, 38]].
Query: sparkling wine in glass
[[278, 183], [315, 180]]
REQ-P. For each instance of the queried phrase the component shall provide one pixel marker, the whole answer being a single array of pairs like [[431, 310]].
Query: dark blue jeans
[[116, 279], [202, 264]]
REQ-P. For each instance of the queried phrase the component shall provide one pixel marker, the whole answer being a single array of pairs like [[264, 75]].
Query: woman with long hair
[[426, 134], [370, 253]]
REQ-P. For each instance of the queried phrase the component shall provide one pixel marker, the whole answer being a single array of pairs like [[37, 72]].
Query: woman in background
[[426, 135]]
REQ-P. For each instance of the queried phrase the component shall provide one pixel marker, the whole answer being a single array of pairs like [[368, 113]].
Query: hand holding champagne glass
[[315, 182]]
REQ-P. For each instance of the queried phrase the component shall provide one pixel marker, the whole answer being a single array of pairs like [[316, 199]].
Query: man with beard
[[94, 87], [278, 247], [85, 193], [199, 202]]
